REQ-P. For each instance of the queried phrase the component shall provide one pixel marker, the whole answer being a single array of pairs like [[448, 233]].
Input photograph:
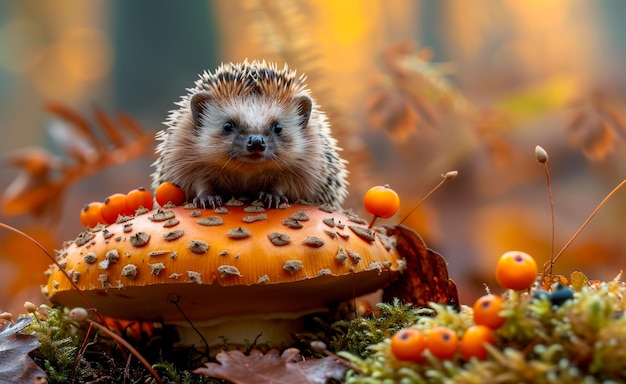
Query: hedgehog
[[251, 130]]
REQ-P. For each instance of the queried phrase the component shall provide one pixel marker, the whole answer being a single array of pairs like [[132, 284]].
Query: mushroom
[[235, 272]]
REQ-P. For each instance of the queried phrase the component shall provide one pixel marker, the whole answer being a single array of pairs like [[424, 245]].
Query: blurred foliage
[[44, 177]]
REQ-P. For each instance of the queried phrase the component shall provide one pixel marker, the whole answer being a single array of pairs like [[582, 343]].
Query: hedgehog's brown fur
[[250, 129]]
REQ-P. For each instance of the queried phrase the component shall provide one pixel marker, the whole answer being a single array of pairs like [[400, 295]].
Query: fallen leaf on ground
[[15, 364], [272, 367]]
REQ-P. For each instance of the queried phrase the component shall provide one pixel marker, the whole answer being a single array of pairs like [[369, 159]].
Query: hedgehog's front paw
[[273, 199], [207, 201]]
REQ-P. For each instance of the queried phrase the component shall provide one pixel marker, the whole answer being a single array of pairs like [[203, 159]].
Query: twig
[[595, 211], [132, 349], [445, 177]]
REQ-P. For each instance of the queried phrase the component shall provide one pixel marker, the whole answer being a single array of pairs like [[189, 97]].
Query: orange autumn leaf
[[272, 367]]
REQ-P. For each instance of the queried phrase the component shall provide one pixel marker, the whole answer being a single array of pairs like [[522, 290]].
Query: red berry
[[91, 214], [381, 201], [139, 197], [408, 344], [363, 308], [473, 341], [442, 342], [169, 192], [487, 311], [114, 206], [516, 270]]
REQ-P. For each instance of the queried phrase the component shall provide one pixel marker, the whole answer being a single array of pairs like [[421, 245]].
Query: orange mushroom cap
[[235, 260]]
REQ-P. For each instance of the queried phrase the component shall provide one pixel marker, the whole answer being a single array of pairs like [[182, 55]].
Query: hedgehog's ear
[[198, 105], [305, 104]]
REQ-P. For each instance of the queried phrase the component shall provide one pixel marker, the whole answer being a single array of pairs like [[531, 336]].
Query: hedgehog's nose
[[255, 144]]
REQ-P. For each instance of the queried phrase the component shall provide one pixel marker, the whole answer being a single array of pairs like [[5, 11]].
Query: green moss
[[579, 341], [364, 332], [100, 360], [171, 374], [59, 344], [359, 334]]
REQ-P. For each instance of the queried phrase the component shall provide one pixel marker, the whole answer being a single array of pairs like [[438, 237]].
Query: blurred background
[[413, 89]]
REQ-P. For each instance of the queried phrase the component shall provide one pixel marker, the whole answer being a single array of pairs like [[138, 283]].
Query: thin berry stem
[[374, 218], [126, 344], [445, 177], [552, 260], [591, 216]]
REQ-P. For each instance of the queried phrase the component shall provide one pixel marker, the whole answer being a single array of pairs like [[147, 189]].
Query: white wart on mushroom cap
[[233, 261]]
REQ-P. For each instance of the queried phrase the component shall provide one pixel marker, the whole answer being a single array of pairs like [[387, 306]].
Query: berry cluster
[[119, 204], [516, 271]]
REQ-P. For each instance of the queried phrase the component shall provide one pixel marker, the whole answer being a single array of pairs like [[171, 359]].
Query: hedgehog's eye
[[277, 128], [228, 127]]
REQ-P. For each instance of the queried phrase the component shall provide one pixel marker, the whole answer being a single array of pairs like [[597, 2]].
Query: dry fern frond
[[411, 92], [595, 124], [281, 28], [38, 188]]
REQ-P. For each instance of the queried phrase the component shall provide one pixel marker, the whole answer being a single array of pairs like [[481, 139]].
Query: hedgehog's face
[[251, 130]]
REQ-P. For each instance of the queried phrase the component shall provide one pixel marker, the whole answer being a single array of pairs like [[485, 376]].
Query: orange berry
[[473, 341], [408, 344], [381, 201], [91, 214], [363, 308], [516, 270], [442, 342], [139, 197], [114, 206], [487, 311], [169, 192]]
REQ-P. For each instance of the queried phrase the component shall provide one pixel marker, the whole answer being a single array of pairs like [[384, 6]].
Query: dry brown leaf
[[272, 367], [15, 364], [411, 92], [36, 188], [550, 280], [113, 132], [596, 124], [578, 280], [390, 110], [426, 278]]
